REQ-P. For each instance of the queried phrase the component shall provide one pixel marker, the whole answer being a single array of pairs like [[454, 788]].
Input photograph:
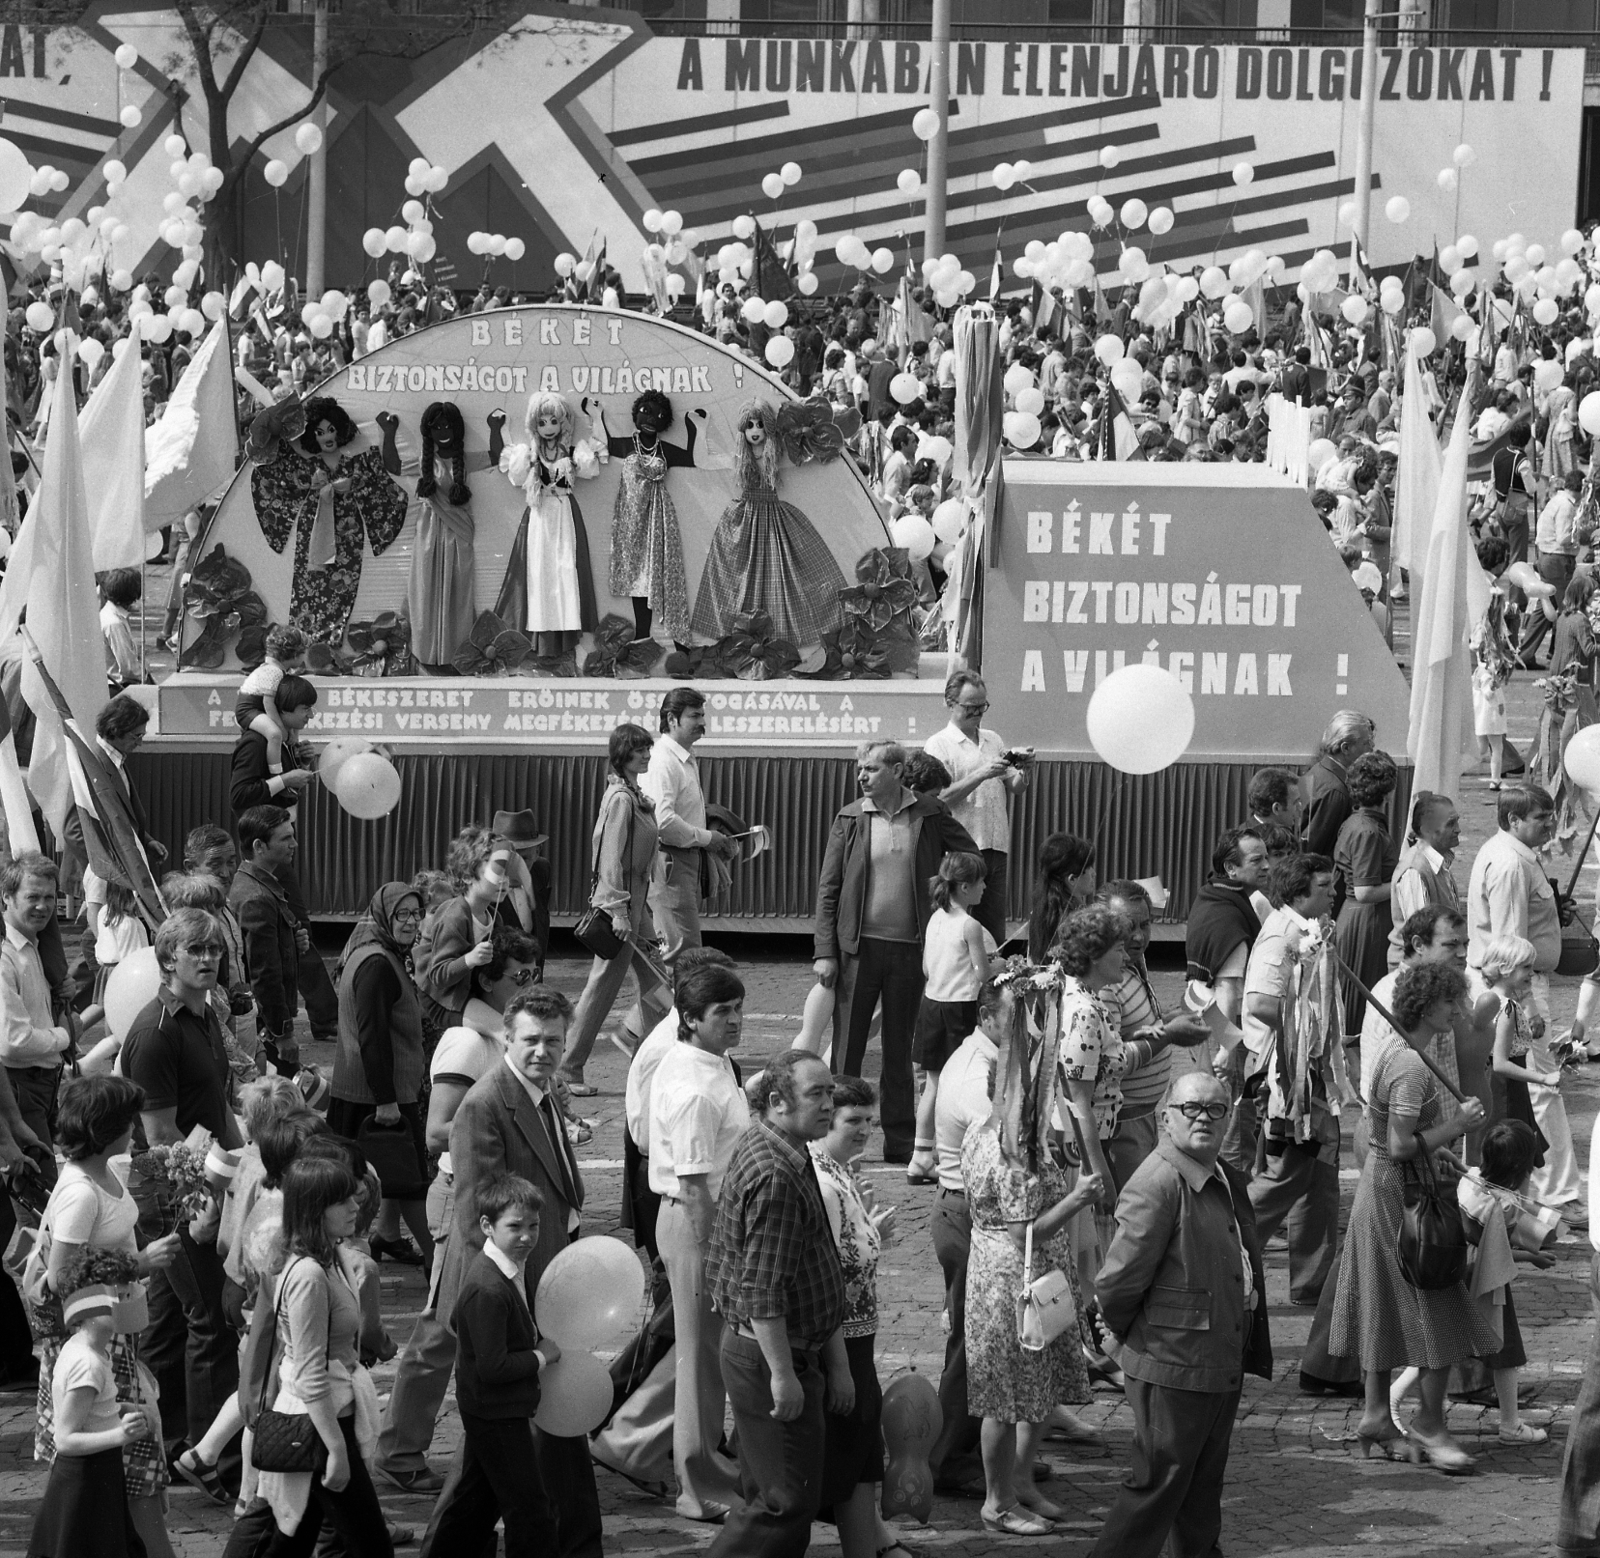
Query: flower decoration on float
[[382, 647], [884, 592], [618, 653], [220, 597], [752, 653], [492, 648], [855, 653], [811, 430]]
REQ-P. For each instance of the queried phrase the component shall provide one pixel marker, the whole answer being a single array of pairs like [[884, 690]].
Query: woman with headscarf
[[1016, 1186], [378, 1068]]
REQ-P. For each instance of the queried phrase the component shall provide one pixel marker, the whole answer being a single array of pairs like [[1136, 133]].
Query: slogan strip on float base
[[514, 711]]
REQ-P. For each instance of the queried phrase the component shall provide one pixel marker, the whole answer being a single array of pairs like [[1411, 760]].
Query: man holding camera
[[983, 777]]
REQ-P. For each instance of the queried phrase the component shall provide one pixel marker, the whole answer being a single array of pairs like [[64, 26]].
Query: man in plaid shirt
[[775, 1279]]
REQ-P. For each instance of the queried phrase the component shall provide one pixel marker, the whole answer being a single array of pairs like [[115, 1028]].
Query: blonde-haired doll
[[765, 554], [549, 585]]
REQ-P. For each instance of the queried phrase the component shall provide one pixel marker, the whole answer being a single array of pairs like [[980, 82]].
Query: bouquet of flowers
[[177, 1173]]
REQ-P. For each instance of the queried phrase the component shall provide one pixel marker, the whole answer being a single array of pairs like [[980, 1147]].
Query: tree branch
[[242, 161], [246, 54]]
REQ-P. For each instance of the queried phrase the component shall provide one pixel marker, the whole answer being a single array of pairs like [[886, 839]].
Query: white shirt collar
[[1297, 918], [961, 735], [1431, 855], [532, 1089], [19, 939], [1519, 848], [502, 1260], [110, 751], [684, 755]]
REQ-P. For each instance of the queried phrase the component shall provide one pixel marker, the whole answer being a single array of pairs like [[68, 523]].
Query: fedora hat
[[517, 828]]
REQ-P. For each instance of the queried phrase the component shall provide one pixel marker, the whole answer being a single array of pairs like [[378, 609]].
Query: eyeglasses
[[523, 976], [205, 949], [404, 916], [1196, 1112], [970, 708]]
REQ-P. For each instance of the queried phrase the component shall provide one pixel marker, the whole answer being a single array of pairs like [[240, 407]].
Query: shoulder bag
[[287, 1441], [595, 929], [1045, 1306], [1432, 1247]]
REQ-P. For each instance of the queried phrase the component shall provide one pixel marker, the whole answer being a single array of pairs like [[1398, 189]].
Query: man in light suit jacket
[[509, 1124]]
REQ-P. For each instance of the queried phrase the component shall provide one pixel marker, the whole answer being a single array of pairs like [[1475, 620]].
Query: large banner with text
[[1223, 574], [566, 127]]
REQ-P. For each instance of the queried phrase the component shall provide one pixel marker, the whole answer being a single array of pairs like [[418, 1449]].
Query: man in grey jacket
[[1181, 1291]]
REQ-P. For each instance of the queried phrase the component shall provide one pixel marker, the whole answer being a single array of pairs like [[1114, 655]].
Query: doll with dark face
[[443, 559], [338, 502], [765, 554], [549, 585], [646, 545]]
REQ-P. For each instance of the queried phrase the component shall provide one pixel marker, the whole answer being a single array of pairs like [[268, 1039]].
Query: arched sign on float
[[392, 576]]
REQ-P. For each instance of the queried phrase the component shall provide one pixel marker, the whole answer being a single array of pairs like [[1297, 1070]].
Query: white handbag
[[1045, 1306]]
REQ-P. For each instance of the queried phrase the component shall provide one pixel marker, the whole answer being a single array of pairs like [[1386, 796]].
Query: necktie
[[558, 1143]]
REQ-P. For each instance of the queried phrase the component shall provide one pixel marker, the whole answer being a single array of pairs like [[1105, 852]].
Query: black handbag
[[1432, 1249], [392, 1151], [595, 929], [283, 1441]]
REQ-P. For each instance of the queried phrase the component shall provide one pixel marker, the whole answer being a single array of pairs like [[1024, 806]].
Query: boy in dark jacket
[[498, 1358]]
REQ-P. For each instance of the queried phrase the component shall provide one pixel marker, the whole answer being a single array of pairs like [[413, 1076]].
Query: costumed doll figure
[[765, 554], [440, 593], [549, 584], [646, 545], [337, 501]]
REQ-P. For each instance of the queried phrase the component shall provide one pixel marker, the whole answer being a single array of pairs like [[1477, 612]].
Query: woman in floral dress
[[1013, 1179], [338, 502], [765, 554]]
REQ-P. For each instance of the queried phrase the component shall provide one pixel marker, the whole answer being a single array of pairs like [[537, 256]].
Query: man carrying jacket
[[872, 910]]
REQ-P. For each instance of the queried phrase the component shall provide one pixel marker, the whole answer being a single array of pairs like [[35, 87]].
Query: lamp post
[[1362, 226], [317, 213], [939, 146]]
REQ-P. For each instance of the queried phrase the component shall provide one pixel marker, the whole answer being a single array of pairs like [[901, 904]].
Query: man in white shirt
[[982, 782], [32, 1043], [672, 781], [1422, 875], [698, 1113], [963, 1102]]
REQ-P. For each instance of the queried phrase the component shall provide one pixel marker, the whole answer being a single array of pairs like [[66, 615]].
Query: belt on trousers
[[945, 1191], [739, 1329]]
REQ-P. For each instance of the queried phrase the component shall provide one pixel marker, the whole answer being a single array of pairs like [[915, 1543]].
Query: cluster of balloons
[[950, 283], [1008, 173], [361, 779], [425, 178], [774, 184], [774, 315], [321, 317], [588, 1294], [494, 245], [415, 240]]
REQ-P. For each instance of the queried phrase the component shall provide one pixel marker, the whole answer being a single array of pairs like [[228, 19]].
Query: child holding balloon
[[499, 1357]]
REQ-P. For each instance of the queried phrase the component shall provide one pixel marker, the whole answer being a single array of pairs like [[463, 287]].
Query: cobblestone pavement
[[1294, 1484]]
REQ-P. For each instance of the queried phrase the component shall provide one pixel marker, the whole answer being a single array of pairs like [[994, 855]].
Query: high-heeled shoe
[[1015, 1521], [1388, 1447]]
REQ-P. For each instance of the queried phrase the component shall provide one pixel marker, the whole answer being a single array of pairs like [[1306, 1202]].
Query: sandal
[[1443, 1456], [1523, 1433], [200, 1474], [1015, 1521], [1388, 1447]]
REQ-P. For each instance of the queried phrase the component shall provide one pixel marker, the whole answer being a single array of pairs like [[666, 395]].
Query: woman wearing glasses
[[378, 1067], [1378, 1317]]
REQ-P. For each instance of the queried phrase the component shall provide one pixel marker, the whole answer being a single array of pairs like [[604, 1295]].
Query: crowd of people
[[211, 1209]]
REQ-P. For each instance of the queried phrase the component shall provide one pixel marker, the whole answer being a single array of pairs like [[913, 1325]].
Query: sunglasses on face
[[1198, 1111], [523, 976], [205, 949]]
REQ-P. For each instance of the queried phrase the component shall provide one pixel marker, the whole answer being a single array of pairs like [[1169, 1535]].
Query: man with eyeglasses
[[982, 781], [1181, 1291], [174, 1051]]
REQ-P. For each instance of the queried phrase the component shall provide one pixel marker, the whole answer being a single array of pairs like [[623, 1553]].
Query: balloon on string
[[1109, 157], [1461, 327], [1213, 282], [1545, 312], [915, 534], [949, 519], [378, 293], [276, 173], [1468, 245], [131, 117], [936, 448], [575, 1394], [1031, 400], [908, 181], [1243, 173], [1004, 175], [775, 315], [1581, 759], [16, 176], [1238, 316], [1140, 719], [1319, 453], [1018, 377], [1021, 429], [1463, 156], [1354, 309], [1588, 411], [807, 283], [925, 124], [1109, 349], [90, 351], [1547, 372], [1528, 579], [1161, 220], [753, 310], [790, 173], [780, 351], [134, 983], [589, 1293], [41, 316], [905, 388], [1534, 254], [368, 786], [744, 227], [651, 220], [308, 138], [772, 185], [1463, 282], [336, 754], [1134, 212], [126, 57], [882, 261], [1398, 209], [1424, 341]]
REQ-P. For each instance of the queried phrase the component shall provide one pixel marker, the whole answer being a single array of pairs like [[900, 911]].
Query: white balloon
[[372, 242], [1424, 341], [775, 315], [1109, 349], [515, 248], [308, 138], [909, 181], [1546, 311], [1589, 413], [275, 173], [772, 185], [1109, 156], [1021, 430], [1448, 180], [1140, 720], [1243, 174], [1031, 400], [1004, 176], [1397, 208], [651, 220], [114, 172], [1161, 220], [394, 239], [1468, 245], [130, 118], [790, 173], [807, 283], [1463, 156], [744, 227], [1134, 212], [126, 57], [883, 261], [780, 351], [1213, 282], [925, 124], [1354, 308], [1238, 317]]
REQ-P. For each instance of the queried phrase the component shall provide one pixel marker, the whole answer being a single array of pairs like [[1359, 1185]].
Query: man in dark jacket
[[1182, 1293], [1322, 786], [269, 929], [872, 910], [257, 781]]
